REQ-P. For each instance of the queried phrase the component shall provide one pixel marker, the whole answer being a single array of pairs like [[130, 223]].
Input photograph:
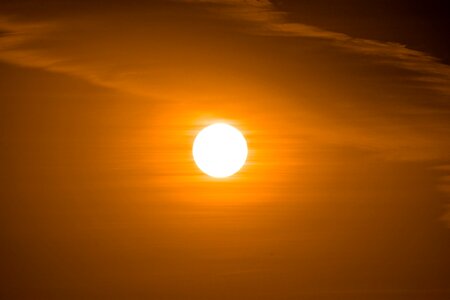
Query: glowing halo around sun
[[220, 150]]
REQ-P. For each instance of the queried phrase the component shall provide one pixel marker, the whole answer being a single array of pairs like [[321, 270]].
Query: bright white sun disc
[[220, 150]]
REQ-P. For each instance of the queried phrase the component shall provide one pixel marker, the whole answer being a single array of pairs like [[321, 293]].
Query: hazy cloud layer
[[426, 70], [145, 60], [127, 53]]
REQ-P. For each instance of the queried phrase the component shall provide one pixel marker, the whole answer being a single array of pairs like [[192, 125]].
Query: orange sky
[[345, 108]]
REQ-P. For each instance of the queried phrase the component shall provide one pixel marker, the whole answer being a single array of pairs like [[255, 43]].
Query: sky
[[345, 106]]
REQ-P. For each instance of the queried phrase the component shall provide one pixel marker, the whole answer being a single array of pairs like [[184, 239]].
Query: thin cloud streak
[[15, 38], [429, 70], [17, 47]]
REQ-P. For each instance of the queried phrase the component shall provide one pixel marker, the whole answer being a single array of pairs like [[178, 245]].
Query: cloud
[[269, 21], [143, 55], [143, 58], [16, 38], [19, 45], [423, 69]]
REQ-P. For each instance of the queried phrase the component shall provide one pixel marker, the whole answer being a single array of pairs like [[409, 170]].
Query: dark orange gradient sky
[[345, 107]]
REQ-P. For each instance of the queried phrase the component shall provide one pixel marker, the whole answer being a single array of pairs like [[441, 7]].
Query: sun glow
[[220, 150]]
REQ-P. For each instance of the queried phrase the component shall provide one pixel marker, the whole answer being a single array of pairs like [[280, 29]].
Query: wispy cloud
[[19, 45], [139, 63], [270, 21], [16, 38], [143, 59], [423, 68], [131, 58]]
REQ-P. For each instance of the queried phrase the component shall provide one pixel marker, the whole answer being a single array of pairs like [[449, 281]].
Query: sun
[[220, 150]]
